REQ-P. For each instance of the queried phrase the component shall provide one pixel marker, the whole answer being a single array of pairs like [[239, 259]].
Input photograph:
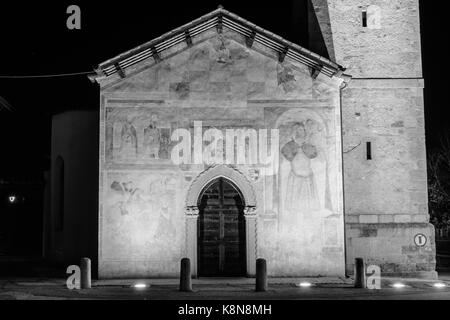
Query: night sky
[[35, 40]]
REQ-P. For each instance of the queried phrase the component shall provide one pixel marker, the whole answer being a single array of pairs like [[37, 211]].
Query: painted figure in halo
[[128, 137], [303, 174], [164, 152], [223, 53], [152, 139], [301, 187]]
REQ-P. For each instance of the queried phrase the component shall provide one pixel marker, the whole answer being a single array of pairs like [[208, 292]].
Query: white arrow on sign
[[420, 240]]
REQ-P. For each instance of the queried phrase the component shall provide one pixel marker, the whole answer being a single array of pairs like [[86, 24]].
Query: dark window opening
[[364, 18], [369, 150]]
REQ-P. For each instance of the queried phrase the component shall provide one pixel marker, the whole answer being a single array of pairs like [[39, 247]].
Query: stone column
[[251, 245], [191, 237]]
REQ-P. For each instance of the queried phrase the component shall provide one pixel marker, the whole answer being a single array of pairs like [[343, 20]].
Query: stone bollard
[[85, 266], [360, 273], [261, 275], [185, 275]]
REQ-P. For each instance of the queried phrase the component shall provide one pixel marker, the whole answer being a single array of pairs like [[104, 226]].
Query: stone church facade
[[222, 142]]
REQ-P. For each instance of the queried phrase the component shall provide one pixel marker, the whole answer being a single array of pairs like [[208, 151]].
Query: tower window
[[371, 17], [369, 150], [364, 18]]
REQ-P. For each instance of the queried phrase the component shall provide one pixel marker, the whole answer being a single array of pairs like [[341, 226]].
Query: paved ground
[[218, 289]]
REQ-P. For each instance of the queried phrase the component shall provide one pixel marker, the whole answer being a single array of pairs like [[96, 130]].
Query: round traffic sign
[[420, 240]]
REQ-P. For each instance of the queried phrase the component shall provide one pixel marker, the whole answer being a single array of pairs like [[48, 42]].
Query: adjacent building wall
[[73, 220]]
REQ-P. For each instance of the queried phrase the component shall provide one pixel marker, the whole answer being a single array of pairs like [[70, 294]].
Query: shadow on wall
[[319, 29]]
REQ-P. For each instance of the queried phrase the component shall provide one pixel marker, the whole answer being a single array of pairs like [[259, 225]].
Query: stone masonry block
[[402, 218], [386, 218], [420, 218], [368, 218], [352, 219]]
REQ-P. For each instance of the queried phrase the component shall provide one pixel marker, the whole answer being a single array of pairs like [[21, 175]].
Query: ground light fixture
[[399, 285], [305, 285], [439, 285], [140, 286]]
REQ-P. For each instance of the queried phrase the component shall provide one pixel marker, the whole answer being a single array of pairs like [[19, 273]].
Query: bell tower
[[372, 38], [385, 172]]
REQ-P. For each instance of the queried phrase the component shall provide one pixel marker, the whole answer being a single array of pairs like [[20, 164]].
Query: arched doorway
[[221, 230]]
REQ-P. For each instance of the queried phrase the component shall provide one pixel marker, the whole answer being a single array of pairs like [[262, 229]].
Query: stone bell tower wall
[[386, 200]]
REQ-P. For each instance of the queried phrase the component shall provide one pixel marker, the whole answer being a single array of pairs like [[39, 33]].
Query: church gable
[[219, 56], [222, 69]]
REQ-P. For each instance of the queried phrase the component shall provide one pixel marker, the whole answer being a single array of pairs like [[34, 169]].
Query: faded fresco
[[144, 134], [136, 137], [303, 175], [220, 71], [304, 194], [143, 221]]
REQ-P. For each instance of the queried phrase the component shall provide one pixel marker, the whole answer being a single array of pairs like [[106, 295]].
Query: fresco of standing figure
[[152, 139], [128, 146], [303, 174]]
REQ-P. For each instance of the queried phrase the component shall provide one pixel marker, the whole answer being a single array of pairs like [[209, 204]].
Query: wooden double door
[[221, 232]]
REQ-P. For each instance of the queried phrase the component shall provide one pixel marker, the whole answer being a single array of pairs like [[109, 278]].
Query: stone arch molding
[[221, 171]]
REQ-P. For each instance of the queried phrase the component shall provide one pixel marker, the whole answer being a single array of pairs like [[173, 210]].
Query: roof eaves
[[283, 41], [267, 38], [161, 38]]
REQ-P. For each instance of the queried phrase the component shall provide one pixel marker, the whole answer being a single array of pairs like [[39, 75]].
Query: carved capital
[[250, 211], [192, 212]]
